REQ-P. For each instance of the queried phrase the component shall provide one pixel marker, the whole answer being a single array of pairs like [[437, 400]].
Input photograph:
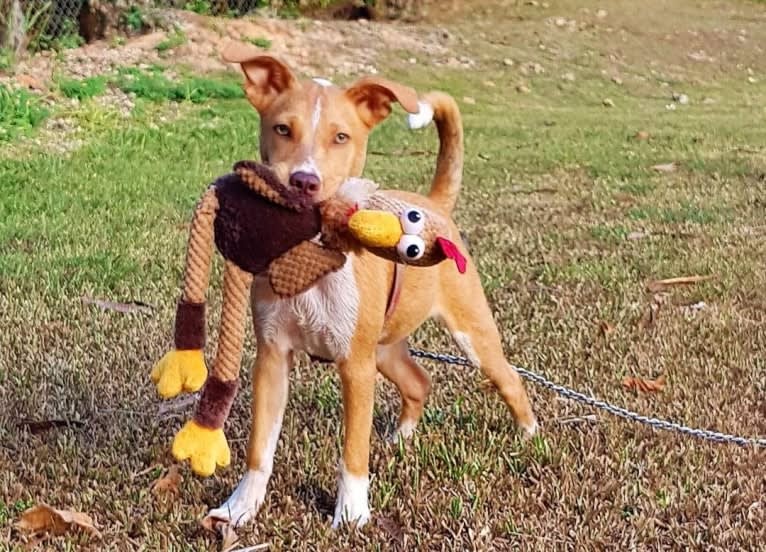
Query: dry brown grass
[[569, 224]]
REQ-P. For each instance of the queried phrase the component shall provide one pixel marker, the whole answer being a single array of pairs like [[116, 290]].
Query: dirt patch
[[310, 47]]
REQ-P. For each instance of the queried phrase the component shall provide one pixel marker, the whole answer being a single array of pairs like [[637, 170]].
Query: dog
[[314, 136]]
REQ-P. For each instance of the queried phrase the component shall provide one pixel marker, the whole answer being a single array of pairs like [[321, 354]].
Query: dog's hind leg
[[465, 311], [270, 386], [412, 381]]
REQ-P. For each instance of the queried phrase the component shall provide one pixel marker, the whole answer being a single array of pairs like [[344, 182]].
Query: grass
[[173, 40], [153, 85], [83, 89], [555, 185], [20, 112], [261, 42]]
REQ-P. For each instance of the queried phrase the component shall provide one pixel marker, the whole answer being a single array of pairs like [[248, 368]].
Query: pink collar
[[396, 289]]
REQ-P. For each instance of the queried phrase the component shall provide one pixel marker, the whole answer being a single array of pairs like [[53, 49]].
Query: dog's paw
[[404, 432], [530, 430], [205, 448], [245, 501], [351, 505], [179, 371]]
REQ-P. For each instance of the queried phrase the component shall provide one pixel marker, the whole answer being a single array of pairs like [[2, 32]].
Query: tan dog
[[314, 135]]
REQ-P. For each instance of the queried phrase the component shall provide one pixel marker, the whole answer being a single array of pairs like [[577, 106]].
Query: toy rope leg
[[202, 438], [183, 369]]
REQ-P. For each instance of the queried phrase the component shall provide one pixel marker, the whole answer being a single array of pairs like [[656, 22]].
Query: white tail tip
[[422, 118]]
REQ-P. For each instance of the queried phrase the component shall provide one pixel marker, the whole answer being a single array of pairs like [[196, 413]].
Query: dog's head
[[313, 134]]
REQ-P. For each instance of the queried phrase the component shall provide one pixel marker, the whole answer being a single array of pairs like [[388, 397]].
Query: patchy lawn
[[572, 204]]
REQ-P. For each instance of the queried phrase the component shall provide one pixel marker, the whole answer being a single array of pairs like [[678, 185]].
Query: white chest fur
[[320, 321]]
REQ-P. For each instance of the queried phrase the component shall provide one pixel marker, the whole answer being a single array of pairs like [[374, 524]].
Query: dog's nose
[[306, 182]]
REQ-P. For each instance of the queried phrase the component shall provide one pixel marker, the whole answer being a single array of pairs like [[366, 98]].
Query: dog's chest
[[320, 321]]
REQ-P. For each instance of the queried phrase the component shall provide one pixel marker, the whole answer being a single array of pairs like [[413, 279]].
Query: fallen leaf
[[606, 328], [644, 385], [469, 100], [229, 538], [649, 319], [642, 135], [665, 167], [660, 285], [40, 426], [45, 519], [169, 483], [130, 306], [213, 524]]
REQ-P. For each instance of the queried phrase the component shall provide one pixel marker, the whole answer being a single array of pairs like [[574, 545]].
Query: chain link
[[618, 411]]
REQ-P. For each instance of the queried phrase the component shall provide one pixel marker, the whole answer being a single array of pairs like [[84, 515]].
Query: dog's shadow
[[312, 494]]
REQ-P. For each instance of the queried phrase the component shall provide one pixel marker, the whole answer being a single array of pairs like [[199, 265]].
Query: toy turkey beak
[[375, 228]]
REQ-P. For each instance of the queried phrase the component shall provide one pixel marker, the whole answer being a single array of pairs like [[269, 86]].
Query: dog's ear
[[373, 96], [266, 76]]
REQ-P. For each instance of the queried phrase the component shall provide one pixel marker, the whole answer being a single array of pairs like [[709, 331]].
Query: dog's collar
[[396, 289]]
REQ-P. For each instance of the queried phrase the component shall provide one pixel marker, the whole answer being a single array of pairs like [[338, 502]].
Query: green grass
[[83, 89], [554, 185], [173, 40], [260, 41], [153, 85], [20, 112]]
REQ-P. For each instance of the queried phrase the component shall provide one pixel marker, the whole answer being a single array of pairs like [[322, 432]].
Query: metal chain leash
[[618, 411]]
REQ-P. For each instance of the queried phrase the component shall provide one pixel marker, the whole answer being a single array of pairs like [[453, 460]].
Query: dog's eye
[[282, 130], [412, 221], [341, 138], [411, 248]]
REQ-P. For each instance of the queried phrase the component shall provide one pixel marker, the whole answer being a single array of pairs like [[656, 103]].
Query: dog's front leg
[[357, 374], [270, 385]]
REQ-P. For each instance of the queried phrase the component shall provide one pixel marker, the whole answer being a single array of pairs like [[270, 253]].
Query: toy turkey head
[[402, 232]]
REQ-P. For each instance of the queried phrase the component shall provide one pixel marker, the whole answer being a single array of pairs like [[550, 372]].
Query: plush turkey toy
[[262, 227]]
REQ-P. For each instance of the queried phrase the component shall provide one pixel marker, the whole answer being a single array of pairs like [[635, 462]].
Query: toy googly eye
[[411, 248], [413, 221]]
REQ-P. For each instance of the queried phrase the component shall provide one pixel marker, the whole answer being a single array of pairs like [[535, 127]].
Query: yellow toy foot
[[207, 448], [179, 371]]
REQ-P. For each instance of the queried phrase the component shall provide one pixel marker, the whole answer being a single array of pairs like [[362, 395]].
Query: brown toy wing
[[299, 268]]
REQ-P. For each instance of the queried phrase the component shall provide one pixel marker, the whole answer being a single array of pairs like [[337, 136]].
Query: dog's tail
[[443, 110]]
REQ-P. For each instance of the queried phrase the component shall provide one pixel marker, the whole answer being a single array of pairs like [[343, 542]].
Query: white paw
[[245, 501], [530, 430], [405, 430], [351, 505], [422, 118]]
